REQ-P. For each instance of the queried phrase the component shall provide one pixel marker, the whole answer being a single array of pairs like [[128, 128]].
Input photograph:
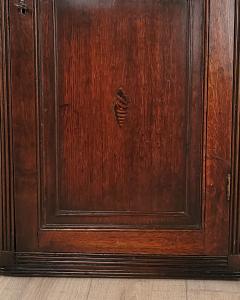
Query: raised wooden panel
[[121, 112]]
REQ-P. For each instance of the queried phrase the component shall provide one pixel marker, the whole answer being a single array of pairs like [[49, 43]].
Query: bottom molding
[[234, 261], [121, 265], [7, 258]]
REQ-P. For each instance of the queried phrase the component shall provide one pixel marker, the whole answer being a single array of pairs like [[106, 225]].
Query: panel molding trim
[[184, 217]]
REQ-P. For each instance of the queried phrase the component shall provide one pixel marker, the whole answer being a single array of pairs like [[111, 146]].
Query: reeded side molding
[[7, 240]]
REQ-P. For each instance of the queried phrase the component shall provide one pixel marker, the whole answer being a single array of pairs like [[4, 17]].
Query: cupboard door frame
[[21, 239]]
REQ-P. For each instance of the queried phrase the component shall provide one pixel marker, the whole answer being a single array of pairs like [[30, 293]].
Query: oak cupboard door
[[121, 124]]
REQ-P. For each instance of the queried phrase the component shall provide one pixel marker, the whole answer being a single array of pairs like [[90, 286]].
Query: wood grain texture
[[149, 172], [88, 189], [24, 91], [212, 239], [219, 112]]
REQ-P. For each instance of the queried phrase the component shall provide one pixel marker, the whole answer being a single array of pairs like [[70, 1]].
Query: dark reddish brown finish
[[83, 154], [23, 93], [150, 178], [148, 172]]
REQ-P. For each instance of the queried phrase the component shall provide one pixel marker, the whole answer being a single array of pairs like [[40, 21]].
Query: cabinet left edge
[[7, 229]]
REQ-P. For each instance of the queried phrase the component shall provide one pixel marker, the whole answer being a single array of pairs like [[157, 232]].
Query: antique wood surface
[[145, 169], [120, 138], [65, 146]]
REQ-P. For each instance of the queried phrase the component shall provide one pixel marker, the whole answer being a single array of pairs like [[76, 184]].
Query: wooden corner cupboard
[[120, 138]]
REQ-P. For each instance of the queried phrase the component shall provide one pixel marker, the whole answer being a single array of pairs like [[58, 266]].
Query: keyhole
[[23, 11]]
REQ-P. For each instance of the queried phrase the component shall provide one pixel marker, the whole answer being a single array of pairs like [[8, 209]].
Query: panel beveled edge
[[182, 214]]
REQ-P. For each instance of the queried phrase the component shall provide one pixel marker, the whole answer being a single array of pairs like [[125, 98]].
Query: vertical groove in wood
[[235, 203], [7, 242]]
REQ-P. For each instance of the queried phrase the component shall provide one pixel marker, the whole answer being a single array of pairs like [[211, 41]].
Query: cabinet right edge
[[234, 258]]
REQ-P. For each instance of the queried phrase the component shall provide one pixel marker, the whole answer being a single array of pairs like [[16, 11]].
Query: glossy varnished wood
[[77, 83], [24, 121], [184, 241], [147, 171], [121, 119]]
